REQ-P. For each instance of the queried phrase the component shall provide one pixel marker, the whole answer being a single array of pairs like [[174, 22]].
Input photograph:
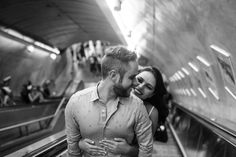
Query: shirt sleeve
[[143, 130], [72, 129]]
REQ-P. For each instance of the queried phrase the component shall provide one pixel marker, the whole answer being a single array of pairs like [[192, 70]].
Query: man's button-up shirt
[[87, 117]]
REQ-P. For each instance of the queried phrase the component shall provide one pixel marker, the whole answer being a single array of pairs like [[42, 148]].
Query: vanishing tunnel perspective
[[118, 78]]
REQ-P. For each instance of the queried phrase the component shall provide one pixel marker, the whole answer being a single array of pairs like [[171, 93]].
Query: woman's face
[[146, 84]]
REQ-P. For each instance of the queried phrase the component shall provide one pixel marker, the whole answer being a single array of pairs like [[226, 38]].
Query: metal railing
[[35, 120], [181, 148], [221, 131], [50, 148]]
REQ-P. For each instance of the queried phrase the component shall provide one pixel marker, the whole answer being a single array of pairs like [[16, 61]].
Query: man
[[108, 111], [6, 92]]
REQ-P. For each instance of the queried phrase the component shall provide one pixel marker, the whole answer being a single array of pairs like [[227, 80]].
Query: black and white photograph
[[117, 78]]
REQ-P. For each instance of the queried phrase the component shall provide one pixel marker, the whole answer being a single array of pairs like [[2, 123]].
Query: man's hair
[[116, 58]]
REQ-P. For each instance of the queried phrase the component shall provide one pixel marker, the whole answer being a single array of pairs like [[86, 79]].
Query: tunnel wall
[[173, 33], [37, 66], [205, 29], [179, 31]]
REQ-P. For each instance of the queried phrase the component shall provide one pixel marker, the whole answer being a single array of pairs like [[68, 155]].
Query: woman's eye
[[150, 88], [139, 79]]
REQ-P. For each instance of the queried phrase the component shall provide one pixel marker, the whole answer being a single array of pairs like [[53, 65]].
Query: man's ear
[[114, 75]]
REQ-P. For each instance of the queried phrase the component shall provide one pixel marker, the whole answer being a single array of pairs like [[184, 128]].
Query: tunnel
[[50, 50]]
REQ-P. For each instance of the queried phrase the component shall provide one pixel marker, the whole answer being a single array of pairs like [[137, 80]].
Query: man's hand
[[89, 147], [116, 146]]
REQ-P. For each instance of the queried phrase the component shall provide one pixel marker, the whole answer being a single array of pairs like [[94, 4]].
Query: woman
[[151, 89], [35, 95]]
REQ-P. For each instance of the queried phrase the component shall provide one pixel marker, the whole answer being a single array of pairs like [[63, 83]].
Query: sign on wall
[[209, 76], [226, 67]]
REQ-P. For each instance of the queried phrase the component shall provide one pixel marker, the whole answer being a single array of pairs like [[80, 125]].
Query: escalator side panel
[[199, 141]]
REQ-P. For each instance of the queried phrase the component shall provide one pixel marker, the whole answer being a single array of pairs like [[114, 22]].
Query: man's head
[[7, 80], [120, 66]]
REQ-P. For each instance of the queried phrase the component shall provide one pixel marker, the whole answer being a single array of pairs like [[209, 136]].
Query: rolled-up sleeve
[[72, 130], [143, 130]]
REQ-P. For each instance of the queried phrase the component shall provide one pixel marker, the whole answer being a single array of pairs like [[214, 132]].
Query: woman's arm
[[154, 119], [120, 146], [31, 98]]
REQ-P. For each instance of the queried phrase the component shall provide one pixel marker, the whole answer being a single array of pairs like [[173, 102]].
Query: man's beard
[[120, 91]]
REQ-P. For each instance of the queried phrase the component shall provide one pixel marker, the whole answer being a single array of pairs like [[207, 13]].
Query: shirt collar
[[95, 96]]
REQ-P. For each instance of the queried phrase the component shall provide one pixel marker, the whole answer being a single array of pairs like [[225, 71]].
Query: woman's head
[[149, 84]]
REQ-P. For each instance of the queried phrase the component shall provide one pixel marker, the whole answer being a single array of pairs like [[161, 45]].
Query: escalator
[[58, 148], [201, 136], [23, 125], [189, 135], [168, 149]]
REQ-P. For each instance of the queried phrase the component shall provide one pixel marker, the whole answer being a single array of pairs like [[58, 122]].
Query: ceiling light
[[53, 56], [30, 48]]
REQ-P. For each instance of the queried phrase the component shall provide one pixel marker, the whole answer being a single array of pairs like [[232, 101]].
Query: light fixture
[[17, 35], [214, 93], [194, 93], [203, 60], [194, 67], [230, 92], [30, 48], [53, 56], [223, 52], [202, 92], [181, 74], [117, 5], [185, 71]]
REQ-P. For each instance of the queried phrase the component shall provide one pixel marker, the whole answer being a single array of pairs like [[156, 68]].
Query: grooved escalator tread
[[169, 149]]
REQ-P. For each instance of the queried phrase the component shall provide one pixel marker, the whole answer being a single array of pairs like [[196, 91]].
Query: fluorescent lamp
[[203, 60], [185, 71], [194, 67]]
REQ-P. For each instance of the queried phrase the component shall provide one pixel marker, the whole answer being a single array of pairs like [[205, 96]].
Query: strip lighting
[[213, 93], [203, 60], [193, 66], [181, 74], [177, 76], [185, 71], [194, 93], [223, 52], [29, 40], [201, 91], [231, 93], [189, 94]]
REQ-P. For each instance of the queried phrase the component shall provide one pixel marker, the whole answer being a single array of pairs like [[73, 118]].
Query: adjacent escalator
[[23, 125]]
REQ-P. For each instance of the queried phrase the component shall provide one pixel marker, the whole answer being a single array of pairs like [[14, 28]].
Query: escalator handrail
[[179, 144], [223, 132], [24, 106], [47, 147], [26, 123], [66, 88], [36, 120]]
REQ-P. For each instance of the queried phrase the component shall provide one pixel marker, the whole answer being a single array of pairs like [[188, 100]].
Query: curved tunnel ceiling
[[59, 23], [170, 33]]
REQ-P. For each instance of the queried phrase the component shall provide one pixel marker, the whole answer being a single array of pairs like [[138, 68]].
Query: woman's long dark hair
[[158, 99]]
